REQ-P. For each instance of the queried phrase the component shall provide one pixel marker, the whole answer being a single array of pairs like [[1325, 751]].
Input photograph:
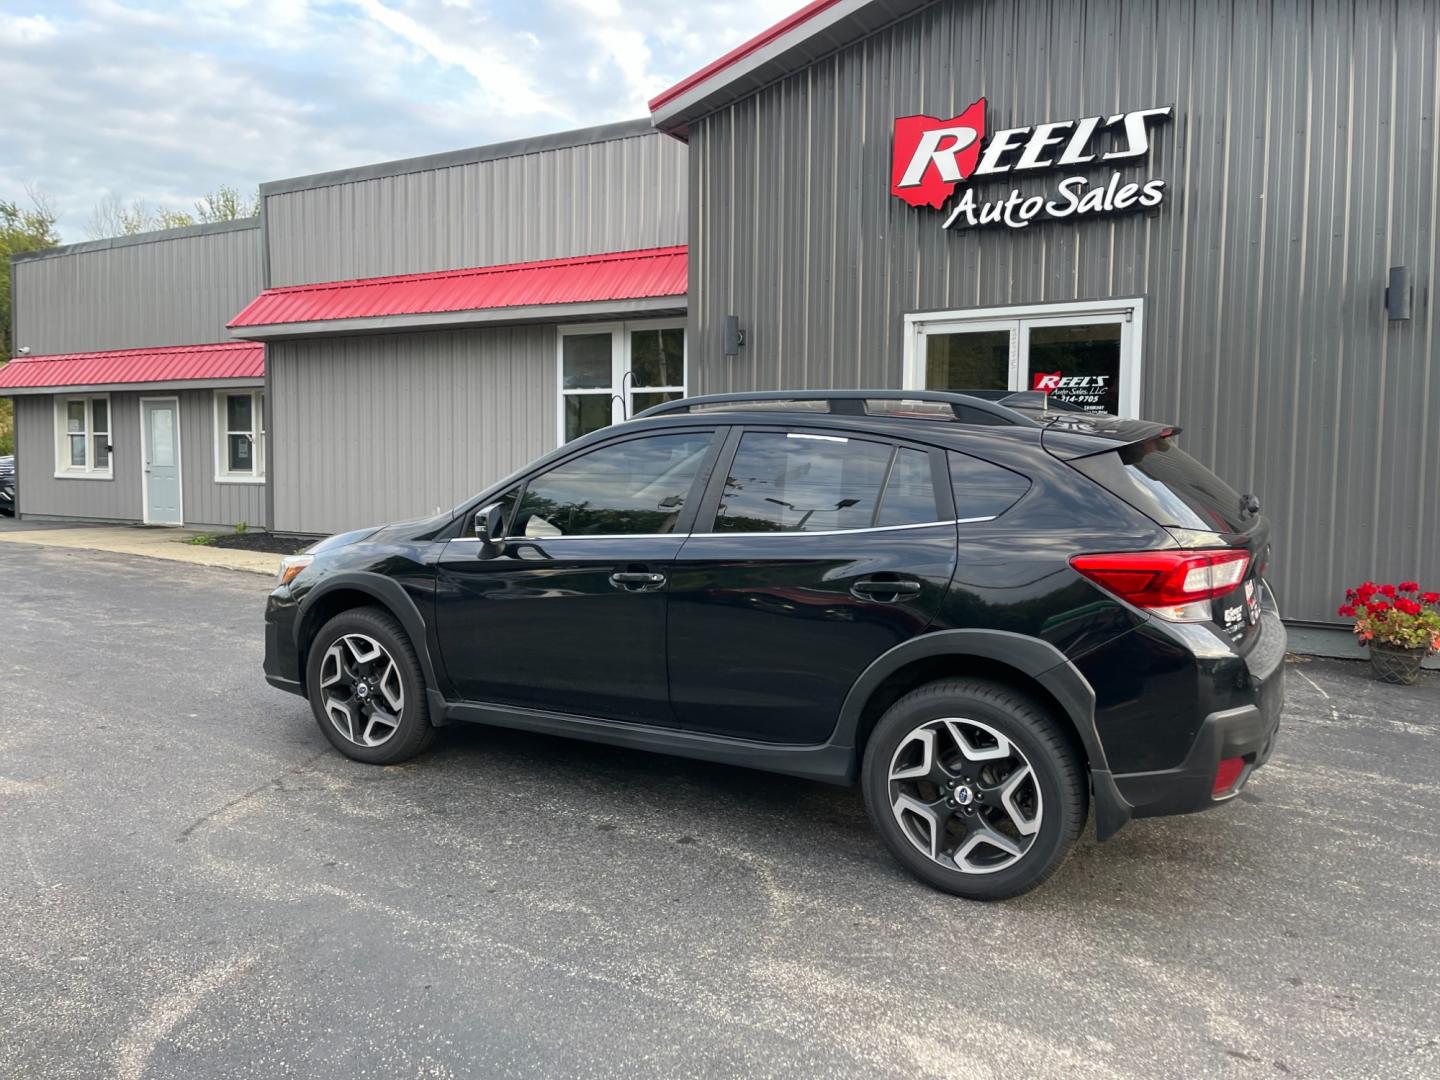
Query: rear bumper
[[1247, 732]]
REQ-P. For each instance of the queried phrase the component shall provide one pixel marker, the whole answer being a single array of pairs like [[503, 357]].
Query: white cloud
[[165, 101], [509, 86]]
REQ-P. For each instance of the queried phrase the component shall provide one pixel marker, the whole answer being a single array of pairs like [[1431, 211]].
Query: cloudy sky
[[144, 99]]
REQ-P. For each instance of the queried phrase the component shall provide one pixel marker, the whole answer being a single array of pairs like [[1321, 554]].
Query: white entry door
[[1087, 354], [160, 438]]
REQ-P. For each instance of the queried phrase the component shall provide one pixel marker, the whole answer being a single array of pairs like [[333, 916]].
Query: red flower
[[1365, 592], [1378, 608], [1431, 598], [1409, 586], [1408, 607], [1388, 590], [1349, 594], [1348, 611]]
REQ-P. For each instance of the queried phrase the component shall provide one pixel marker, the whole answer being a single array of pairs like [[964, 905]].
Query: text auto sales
[[932, 157]]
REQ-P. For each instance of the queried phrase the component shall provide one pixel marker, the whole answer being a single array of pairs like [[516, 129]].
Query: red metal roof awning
[[126, 367], [655, 274]]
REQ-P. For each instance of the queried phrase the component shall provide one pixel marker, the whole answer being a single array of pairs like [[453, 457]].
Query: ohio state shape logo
[[932, 156]]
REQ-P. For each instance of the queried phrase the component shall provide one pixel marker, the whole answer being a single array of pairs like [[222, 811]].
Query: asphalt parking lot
[[197, 886]]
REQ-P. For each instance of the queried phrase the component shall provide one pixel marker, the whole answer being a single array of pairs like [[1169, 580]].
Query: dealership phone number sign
[[933, 157]]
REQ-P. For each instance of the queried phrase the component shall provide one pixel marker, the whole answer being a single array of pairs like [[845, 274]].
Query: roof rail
[[964, 407]]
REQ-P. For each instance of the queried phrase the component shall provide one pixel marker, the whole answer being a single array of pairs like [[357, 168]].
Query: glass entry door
[[1083, 354], [975, 355]]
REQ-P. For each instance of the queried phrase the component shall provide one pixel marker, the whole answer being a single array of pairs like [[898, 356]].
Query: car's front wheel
[[974, 788], [366, 688]]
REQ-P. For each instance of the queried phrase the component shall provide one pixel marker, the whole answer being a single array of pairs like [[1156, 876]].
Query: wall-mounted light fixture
[[734, 336], [1399, 294]]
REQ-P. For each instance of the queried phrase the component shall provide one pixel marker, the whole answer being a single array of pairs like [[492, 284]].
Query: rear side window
[[796, 482], [909, 497], [637, 486], [983, 490], [1169, 486]]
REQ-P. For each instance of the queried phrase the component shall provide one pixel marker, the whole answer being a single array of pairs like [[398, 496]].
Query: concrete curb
[[150, 543]]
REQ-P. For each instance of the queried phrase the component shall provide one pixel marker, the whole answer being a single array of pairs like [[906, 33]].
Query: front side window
[[609, 373], [240, 436], [797, 482], [82, 436], [627, 488]]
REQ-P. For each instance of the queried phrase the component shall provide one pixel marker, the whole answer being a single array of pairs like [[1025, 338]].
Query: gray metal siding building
[[611, 188], [107, 315], [1300, 161], [853, 187], [377, 418], [176, 287], [422, 421]]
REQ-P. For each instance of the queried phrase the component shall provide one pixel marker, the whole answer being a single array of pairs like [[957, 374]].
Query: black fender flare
[[389, 594], [1032, 657]]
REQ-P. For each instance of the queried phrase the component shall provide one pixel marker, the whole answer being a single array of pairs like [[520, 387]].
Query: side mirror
[[490, 528]]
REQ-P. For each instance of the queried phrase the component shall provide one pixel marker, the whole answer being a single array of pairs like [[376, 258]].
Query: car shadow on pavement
[[760, 811]]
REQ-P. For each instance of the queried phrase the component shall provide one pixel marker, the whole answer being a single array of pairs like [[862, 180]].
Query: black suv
[[989, 611]]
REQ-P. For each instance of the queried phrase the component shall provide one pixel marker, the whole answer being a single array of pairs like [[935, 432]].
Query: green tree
[[227, 204], [113, 216], [21, 229]]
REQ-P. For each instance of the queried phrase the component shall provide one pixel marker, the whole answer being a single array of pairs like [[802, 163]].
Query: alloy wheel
[[361, 689], [965, 795]]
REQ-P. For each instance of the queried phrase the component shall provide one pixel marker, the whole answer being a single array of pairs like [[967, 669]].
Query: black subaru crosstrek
[[990, 611]]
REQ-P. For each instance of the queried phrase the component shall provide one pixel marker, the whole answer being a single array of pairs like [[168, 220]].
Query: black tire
[[414, 732], [1059, 786]]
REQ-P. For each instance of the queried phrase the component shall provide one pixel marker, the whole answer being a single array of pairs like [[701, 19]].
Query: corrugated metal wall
[[38, 490], [207, 503], [378, 428], [175, 288], [616, 195], [1303, 161]]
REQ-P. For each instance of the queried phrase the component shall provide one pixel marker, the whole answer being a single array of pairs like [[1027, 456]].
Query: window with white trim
[[240, 436], [610, 372], [82, 436]]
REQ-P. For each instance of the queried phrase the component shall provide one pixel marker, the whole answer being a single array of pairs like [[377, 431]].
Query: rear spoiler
[[1076, 435]]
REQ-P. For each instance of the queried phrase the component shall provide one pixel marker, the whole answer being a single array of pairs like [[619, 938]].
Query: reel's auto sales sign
[[933, 157]]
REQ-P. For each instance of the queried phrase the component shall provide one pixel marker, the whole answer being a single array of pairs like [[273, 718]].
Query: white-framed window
[[610, 371], [239, 436], [82, 437], [1085, 353]]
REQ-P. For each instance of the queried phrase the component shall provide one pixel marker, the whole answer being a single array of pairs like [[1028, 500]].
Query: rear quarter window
[[1169, 486], [983, 489]]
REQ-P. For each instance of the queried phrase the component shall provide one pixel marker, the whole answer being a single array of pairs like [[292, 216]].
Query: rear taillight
[[1227, 775], [1175, 585]]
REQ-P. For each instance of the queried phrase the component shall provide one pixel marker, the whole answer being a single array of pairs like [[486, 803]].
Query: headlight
[[290, 567]]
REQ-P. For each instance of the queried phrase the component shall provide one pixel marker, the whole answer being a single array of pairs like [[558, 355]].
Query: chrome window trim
[[849, 532], [699, 535]]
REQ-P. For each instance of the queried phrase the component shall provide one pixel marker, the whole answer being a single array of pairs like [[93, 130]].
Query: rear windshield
[[1169, 486]]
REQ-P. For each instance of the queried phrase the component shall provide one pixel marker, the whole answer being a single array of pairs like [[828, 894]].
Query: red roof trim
[[734, 56], [620, 275], [118, 367]]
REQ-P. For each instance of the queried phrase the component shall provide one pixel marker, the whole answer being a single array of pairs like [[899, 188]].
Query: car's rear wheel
[[974, 788], [366, 688]]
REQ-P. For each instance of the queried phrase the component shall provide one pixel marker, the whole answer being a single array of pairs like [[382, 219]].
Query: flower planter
[[1392, 664]]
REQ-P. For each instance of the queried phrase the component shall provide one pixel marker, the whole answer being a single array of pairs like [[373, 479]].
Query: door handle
[[637, 581], [885, 592]]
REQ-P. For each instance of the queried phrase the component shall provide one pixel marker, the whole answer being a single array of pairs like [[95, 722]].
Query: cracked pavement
[[198, 886]]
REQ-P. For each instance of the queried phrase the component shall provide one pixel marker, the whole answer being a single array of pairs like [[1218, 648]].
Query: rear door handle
[[885, 592], [637, 581]]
